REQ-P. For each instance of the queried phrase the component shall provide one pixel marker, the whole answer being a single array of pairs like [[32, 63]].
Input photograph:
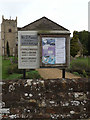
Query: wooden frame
[[67, 45]]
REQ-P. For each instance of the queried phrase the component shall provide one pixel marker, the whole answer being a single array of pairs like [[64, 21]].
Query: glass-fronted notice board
[[53, 50]]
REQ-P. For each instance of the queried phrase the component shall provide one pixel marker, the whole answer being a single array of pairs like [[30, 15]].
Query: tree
[[83, 37], [8, 51], [74, 46], [89, 43]]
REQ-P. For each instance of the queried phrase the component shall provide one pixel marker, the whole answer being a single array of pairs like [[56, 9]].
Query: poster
[[53, 50], [48, 50], [60, 52]]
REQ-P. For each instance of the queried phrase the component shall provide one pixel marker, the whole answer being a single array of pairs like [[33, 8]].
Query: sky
[[71, 14], [89, 16]]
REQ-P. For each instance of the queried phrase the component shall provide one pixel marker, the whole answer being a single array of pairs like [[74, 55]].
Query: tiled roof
[[43, 24]]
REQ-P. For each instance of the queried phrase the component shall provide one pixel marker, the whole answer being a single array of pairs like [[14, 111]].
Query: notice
[[48, 50], [53, 50], [29, 40], [60, 50], [28, 51], [29, 56]]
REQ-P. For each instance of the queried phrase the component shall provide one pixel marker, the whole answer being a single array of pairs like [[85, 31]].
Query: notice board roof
[[43, 24]]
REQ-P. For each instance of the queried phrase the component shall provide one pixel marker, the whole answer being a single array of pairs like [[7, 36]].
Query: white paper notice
[[60, 50], [28, 57]]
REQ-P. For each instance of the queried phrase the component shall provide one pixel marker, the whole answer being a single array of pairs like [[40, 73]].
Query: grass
[[33, 74], [10, 71], [5, 65], [0, 67], [80, 66], [82, 60], [13, 76]]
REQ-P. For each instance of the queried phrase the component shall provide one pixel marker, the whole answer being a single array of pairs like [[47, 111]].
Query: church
[[9, 32], [9, 37]]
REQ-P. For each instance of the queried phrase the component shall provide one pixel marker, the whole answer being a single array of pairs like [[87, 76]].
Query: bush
[[76, 73], [33, 74], [74, 46], [78, 67], [81, 67], [13, 69], [13, 60], [84, 73]]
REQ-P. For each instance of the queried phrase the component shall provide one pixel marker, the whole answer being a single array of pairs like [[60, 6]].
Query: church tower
[[9, 36]]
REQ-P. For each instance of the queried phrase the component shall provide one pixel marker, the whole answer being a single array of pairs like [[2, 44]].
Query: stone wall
[[60, 99]]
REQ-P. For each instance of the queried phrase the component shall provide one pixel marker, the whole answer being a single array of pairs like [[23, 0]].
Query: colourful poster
[[48, 50], [53, 50]]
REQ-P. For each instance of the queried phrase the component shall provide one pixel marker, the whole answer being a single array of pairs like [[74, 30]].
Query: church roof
[[43, 24]]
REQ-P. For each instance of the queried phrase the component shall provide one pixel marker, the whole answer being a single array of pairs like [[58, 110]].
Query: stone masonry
[[54, 99], [8, 34]]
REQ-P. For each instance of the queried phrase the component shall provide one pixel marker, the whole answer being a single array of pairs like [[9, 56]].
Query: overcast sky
[[71, 14]]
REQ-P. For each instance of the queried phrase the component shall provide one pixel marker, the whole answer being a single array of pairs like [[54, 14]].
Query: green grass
[[13, 76], [80, 66], [0, 67], [33, 74], [11, 71], [84, 60], [5, 65]]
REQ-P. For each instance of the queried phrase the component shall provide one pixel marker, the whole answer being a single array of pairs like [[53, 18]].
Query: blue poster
[[48, 50], [53, 50]]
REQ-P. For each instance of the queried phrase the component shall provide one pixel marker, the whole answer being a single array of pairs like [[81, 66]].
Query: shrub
[[80, 67], [84, 73], [13, 69], [74, 46], [13, 60], [76, 73], [33, 74]]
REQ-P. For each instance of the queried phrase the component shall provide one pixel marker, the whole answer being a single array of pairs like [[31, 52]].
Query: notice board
[[37, 50], [55, 50], [27, 50]]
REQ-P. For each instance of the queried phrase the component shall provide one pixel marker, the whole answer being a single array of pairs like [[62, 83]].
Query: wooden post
[[24, 73], [63, 73]]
